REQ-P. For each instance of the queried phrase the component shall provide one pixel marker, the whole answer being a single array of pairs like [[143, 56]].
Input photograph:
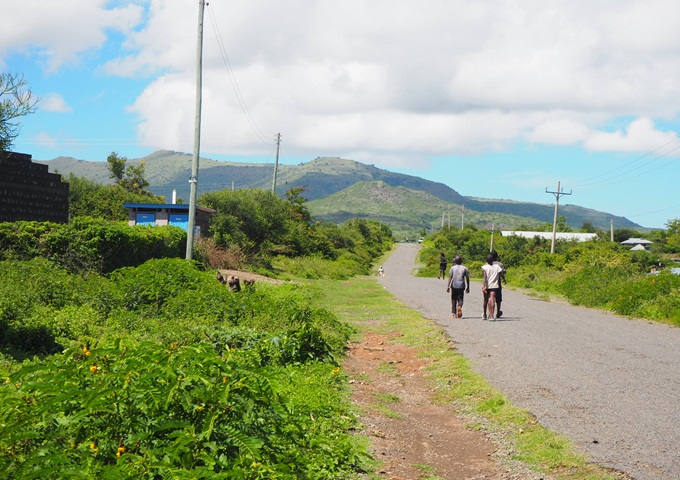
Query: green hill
[[418, 203], [406, 211]]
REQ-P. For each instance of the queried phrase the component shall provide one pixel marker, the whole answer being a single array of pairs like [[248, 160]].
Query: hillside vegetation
[[406, 211], [320, 178]]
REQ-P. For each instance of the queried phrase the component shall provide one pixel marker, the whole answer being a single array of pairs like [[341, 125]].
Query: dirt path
[[413, 436], [609, 383]]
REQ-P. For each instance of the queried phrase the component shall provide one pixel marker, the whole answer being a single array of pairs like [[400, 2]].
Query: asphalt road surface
[[610, 383]]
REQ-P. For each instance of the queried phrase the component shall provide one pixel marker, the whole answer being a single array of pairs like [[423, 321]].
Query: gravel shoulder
[[609, 383]]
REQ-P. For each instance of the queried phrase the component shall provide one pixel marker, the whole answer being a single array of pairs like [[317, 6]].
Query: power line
[[592, 182], [237, 91]]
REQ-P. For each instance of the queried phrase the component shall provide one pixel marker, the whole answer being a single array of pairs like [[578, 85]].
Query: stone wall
[[29, 192]]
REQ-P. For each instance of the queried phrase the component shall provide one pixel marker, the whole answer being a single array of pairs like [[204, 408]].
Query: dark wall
[[29, 192]]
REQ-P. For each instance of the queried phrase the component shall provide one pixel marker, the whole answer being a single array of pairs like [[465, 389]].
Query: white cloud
[[639, 136], [391, 81], [562, 130], [53, 102], [61, 31]]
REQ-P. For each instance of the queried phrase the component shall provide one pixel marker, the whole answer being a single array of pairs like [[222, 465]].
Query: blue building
[[154, 214]]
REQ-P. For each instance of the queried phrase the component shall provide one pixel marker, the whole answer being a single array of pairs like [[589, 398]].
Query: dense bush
[[88, 198], [149, 411], [165, 373], [265, 227], [88, 244]]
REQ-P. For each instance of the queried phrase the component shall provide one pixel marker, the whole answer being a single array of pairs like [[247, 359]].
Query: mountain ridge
[[168, 170]]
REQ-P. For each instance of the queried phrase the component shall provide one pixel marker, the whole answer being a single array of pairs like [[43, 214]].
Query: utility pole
[[276, 163], [611, 229], [193, 180], [462, 217], [493, 226], [557, 194]]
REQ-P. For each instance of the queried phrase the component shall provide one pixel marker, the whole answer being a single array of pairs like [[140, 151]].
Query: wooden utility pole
[[193, 180], [557, 194], [276, 163]]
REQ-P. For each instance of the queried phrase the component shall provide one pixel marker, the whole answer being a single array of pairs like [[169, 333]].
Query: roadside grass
[[363, 303]]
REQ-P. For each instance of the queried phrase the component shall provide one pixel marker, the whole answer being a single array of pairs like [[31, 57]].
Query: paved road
[[609, 383]]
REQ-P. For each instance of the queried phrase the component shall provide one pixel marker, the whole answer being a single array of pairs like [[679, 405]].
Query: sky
[[497, 99]]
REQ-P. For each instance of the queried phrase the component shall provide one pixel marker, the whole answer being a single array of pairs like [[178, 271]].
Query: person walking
[[491, 280], [458, 285], [499, 296], [442, 267]]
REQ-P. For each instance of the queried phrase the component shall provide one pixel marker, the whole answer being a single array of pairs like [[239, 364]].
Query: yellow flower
[[93, 368], [88, 353], [335, 370], [120, 451]]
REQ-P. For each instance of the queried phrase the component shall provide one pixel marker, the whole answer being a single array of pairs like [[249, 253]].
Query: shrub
[[147, 411]]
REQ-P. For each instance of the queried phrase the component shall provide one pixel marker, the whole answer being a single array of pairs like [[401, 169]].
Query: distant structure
[[637, 243], [29, 192], [154, 214], [579, 237]]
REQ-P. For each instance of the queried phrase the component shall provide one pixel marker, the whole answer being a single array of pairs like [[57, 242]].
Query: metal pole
[[193, 180], [557, 194], [276, 164], [557, 202]]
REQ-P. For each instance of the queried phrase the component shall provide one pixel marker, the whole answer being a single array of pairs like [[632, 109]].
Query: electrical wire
[[237, 91], [592, 182]]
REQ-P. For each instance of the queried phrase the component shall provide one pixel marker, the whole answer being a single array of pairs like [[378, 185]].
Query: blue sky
[[497, 99]]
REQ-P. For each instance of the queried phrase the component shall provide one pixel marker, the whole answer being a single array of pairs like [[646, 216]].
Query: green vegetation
[[89, 245], [597, 273], [278, 235], [405, 210], [158, 371], [121, 360]]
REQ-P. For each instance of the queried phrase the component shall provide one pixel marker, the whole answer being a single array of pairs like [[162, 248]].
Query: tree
[[15, 101], [673, 226], [130, 177], [588, 227], [88, 198]]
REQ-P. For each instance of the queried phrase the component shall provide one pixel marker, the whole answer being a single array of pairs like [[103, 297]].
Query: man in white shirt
[[491, 273]]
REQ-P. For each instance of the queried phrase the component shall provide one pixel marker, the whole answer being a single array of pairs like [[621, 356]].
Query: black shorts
[[457, 293], [499, 293]]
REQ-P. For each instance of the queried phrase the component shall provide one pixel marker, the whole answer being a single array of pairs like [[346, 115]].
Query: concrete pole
[[193, 180]]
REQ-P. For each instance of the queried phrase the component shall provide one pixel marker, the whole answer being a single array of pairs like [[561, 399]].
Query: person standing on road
[[458, 285], [491, 282], [499, 296], [442, 267]]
